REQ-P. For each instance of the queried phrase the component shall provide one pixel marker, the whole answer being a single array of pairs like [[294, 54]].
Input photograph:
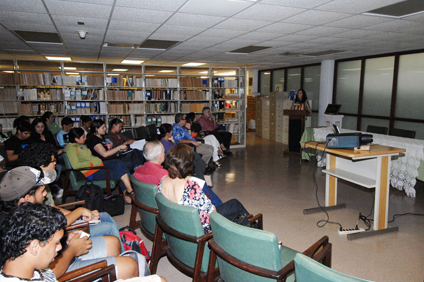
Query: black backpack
[[92, 195]]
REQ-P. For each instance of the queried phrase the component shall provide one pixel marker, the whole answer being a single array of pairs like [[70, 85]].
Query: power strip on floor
[[350, 231]]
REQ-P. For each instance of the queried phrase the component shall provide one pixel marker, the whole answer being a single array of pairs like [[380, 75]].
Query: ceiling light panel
[[157, 44], [39, 36], [249, 49]]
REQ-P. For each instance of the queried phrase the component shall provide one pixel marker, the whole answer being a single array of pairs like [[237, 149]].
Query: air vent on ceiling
[[291, 54], [39, 37], [158, 44], [399, 10], [249, 49]]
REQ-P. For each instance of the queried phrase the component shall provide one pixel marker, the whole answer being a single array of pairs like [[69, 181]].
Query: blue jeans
[[117, 169], [107, 226], [216, 201], [97, 253]]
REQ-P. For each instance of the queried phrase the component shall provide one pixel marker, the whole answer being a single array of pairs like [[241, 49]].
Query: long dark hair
[[96, 124], [115, 121], [34, 123], [74, 133], [304, 97], [164, 129]]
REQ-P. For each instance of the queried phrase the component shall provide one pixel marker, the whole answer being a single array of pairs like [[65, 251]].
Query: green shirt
[[54, 128]]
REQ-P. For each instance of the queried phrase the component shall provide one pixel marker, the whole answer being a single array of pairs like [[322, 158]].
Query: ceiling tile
[[181, 30], [128, 37], [313, 17], [357, 33], [222, 33], [30, 27], [322, 31], [259, 36], [164, 5], [214, 8], [140, 15], [395, 25], [284, 28], [308, 4], [358, 21], [242, 24], [125, 26], [72, 21], [273, 12], [27, 18], [68, 8], [183, 19], [28, 6]]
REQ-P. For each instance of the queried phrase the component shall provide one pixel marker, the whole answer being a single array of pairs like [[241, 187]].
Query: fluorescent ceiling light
[[166, 71], [204, 77], [52, 58], [38, 42], [149, 75], [68, 68], [193, 64], [204, 72], [72, 73], [267, 73], [120, 70], [113, 74], [9, 71], [132, 62], [225, 73]]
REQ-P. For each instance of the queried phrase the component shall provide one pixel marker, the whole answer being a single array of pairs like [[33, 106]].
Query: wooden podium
[[296, 128]]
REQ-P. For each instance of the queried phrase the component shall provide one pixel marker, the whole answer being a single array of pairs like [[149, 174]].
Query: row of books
[[194, 82], [195, 95], [161, 82], [36, 78], [124, 80], [164, 107], [125, 95], [29, 94], [81, 108], [39, 108], [222, 82], [8, 93], [193, 107], [7, 78], [83, 94], [168, 94], [9, 107]]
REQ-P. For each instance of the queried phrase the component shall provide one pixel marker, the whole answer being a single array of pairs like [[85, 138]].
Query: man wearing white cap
[[27, 184]]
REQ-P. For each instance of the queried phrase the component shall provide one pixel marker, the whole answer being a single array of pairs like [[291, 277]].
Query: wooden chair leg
[[134, 224], [157, 250]]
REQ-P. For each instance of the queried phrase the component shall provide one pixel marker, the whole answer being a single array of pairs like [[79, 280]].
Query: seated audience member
[[182, 136], [62, 136], [208, 123], [167, 141], [152, 171], [86, 124], [41, 134], [115, 136], [80, 156], [193, 128], [43, 156], [2, 135], [14, 145], [18, 121], [27, 185], [184, 190], [29, 242], [103, 148], [48, 118]]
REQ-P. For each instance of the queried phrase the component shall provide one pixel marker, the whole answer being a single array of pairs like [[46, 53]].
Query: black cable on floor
[[319, 223]]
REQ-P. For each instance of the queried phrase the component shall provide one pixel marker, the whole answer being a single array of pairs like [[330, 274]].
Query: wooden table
[[370, 169]]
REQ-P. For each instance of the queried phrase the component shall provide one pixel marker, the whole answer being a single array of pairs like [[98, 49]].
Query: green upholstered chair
[[308, 269], [247, 254], [76, 179], [144, 201], [186, 240]]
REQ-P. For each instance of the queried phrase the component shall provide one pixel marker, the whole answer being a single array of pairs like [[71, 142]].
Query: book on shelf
[[194, 82], [7, 78], [193, 107], [9, 107], [161, 82], [195, 95], [8, 93], [136, 108]]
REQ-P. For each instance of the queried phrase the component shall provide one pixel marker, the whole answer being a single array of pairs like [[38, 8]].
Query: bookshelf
[[137, 94]]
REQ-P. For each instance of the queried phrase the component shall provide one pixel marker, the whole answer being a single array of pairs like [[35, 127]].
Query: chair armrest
[[258, 218], [320, 251], [142, 206], [97, 270], [86, 168], [279, 275], [82, 203], [84, 226], [180, 235]]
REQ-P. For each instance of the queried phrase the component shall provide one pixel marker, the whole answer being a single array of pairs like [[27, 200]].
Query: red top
[[150, 173], [207, 124]]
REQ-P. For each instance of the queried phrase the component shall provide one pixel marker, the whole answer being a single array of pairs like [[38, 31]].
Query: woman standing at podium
[[301, 102]]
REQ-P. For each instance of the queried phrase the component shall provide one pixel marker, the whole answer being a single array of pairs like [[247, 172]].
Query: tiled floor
[[280, 187]]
